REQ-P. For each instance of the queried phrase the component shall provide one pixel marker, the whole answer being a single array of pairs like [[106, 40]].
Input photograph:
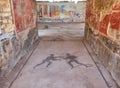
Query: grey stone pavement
[[59, 73]]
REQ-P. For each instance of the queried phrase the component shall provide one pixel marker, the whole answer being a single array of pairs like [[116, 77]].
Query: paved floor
[[59, 73]]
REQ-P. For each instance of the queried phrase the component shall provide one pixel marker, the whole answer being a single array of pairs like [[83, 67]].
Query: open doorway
[[61, 19]]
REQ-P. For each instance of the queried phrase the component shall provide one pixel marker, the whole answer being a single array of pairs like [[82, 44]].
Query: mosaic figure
[[71, 58], [48, 60]]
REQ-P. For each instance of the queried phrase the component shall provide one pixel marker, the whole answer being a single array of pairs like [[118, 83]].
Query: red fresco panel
[[115, 20], [24, 15], [51, 11], [104, 24]]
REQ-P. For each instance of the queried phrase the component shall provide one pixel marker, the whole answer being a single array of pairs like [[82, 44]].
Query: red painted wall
[[24, 12], [104, 17]]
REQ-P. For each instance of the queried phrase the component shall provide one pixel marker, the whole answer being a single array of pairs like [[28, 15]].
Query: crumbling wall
[[18, 31], [102, 31]]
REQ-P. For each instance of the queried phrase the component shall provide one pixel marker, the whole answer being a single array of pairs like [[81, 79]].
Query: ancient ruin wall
[[18, 31], [103, 33]]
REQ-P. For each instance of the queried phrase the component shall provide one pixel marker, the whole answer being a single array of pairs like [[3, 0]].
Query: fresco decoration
[[61, 11], [12, 43], [45, 10], [104, 17], [25, 14], [104, 39]]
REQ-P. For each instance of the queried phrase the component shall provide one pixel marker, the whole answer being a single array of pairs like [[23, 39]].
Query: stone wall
[[18, 31], [102, 32]]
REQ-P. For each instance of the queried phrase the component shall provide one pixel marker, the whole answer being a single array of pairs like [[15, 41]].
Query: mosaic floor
[[60, 64]]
